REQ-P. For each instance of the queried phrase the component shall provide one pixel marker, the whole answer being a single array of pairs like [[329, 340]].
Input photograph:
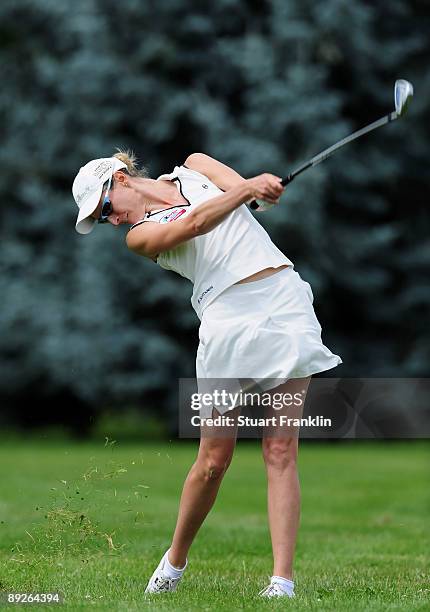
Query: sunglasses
[[107, 205]]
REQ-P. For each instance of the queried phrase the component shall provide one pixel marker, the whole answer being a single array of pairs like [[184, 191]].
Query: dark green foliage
[[261, 86]]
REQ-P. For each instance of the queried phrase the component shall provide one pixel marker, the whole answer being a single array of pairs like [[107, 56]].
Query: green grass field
[[92, 521]]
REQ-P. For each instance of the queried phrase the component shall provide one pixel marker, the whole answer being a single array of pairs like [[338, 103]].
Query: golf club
[[403, 92]]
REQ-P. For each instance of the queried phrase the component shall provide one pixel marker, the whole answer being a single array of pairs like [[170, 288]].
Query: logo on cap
[[102, 168]]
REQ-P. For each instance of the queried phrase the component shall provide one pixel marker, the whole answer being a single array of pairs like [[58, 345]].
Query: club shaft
[[328, 152]]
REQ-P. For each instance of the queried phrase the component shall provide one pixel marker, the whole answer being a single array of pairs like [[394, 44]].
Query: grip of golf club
[[261, 206]]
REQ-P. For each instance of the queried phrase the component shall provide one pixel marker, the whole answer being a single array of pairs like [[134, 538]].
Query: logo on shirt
[[173, 215], [204, 293]]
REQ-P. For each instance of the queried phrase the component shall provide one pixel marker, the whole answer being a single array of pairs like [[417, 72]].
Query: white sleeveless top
[[236, 248]]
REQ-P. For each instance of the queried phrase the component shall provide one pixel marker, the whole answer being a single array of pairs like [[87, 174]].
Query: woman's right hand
[[266, 187]]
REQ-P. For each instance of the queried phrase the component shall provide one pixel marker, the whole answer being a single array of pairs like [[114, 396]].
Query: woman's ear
[[121, 177]]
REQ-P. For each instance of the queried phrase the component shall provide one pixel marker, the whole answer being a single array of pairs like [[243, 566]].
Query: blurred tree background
[[87, 326]]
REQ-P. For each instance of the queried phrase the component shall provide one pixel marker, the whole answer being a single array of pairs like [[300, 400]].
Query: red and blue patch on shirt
[[172, 215]]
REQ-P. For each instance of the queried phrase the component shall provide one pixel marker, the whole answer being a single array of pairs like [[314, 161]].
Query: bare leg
[[280, 449], [200, 490]]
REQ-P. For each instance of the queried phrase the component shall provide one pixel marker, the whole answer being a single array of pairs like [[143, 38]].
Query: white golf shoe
[[160, 581], [274, 590]]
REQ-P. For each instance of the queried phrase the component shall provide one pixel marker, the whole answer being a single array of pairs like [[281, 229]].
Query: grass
[[91, 520]]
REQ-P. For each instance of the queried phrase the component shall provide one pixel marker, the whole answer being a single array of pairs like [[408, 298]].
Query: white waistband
[[261, 282]]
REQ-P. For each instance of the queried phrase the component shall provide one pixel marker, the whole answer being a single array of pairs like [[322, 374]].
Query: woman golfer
[[257, 322]]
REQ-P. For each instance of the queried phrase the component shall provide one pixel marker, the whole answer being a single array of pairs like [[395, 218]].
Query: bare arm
[[150, 239], [223, 176]]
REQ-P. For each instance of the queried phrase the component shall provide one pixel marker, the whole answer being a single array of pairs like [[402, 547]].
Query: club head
[[403, 92]]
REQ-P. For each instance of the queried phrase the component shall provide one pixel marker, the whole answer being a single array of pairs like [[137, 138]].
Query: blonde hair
[[129, 159]]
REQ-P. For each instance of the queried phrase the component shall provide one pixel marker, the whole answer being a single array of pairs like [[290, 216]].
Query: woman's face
[[121, 198]]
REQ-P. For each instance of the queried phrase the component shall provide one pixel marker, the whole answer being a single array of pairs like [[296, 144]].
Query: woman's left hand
[[266, 187]]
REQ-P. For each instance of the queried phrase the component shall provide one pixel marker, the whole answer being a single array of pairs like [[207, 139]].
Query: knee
[[280, 453], [214, 470], [214, 466]]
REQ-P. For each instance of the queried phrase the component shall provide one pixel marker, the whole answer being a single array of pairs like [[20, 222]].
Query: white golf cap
[[88, 186]]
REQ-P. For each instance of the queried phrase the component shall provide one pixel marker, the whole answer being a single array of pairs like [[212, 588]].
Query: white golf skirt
[[265, 331]]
